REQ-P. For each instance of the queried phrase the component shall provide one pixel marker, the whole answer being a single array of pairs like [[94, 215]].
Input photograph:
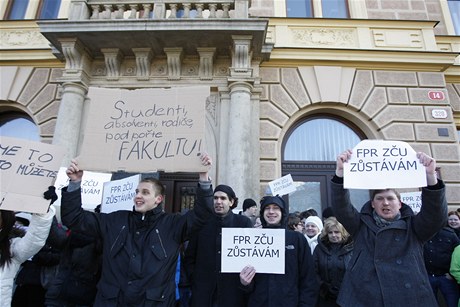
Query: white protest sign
[[377, 164], [282, 186], [260, 247], [144, 130], [92, 185], [27, 169], [413, 200], [119, 194]]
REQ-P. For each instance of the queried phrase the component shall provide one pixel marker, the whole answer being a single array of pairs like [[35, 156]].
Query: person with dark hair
[[294, 223], [332, 256], [298, 285], [327, 213], [78, 273], [37, 273], [387, 267], [140, 247], [250, 209], [202, 258], [16, 248], [437, 252]]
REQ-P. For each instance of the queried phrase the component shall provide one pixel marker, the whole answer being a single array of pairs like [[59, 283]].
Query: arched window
[[319, 139], [309, 153], [18, 125]]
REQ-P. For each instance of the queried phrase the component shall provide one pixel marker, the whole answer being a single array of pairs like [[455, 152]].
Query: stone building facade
[[390, 71]]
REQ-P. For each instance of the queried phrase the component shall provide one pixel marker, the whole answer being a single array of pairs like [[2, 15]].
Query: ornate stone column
[[238, 164], [75, 86]]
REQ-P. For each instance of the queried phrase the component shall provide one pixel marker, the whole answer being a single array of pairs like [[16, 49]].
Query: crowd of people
[[382, 255]]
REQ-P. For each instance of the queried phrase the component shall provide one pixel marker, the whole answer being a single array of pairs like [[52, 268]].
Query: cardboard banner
[[27, 169], [92, 185], [119, 194], [377, 164], [262, 248], [144, 130]]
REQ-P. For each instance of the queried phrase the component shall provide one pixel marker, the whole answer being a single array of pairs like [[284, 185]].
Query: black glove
[[51, 194]]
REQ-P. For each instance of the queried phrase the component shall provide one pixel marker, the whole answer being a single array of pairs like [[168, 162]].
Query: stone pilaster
[[75, 80], [239, 153], [69, 119]]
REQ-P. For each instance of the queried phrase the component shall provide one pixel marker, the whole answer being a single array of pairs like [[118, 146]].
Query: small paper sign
[[282, 186], [92, 185], [260, 247], [413, 200], [119, 194]]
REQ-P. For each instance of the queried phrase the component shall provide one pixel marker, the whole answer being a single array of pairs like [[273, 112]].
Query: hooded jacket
[[139, 252], [298, 285], [387, 267]]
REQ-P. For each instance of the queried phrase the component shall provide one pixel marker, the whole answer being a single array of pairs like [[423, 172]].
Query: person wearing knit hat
[[202, 258], [250, 209], [298, 286], [313, 227]]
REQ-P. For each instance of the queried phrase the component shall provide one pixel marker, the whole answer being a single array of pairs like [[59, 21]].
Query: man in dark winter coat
[[298, 286], [202, 259], [438, 255], [139, 247], [387, 266]]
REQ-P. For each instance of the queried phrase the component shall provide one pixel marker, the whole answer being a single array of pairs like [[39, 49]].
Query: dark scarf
[[381, 222]]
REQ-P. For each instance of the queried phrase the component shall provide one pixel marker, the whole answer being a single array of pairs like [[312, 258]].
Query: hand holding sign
[[247, 274], [206, 160], [74, 172]]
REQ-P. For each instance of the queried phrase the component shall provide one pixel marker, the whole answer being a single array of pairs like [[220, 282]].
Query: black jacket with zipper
[[139, 251]]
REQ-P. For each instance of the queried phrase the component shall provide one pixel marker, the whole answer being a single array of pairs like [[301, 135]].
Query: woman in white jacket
[[14, 251]]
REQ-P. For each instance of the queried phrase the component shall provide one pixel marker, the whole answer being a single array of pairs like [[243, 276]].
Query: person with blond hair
[[332, 256]]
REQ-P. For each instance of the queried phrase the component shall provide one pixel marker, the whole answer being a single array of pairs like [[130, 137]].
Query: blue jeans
[[448, 287]]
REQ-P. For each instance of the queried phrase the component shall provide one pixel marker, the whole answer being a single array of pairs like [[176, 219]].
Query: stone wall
[[391, 105], [35, 91]]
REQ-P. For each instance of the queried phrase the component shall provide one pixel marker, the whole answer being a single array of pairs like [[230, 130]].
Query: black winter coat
[[139, 251], [203, 264], [387, 267], [331, 261], [437, 252]]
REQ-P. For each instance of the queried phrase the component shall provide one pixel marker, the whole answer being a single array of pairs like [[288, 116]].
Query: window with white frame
[[317, 8], [299, 8], [17, 9], [32, 9], [454, 8], [49, 9]]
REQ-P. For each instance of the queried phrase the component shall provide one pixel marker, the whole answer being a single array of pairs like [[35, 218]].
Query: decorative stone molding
[[78, 61], [322, 37], [113, 59], [398, 38], [207, 56], [174, 60], [30, 38], [211, 107], [143, 60], [241, 56]]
